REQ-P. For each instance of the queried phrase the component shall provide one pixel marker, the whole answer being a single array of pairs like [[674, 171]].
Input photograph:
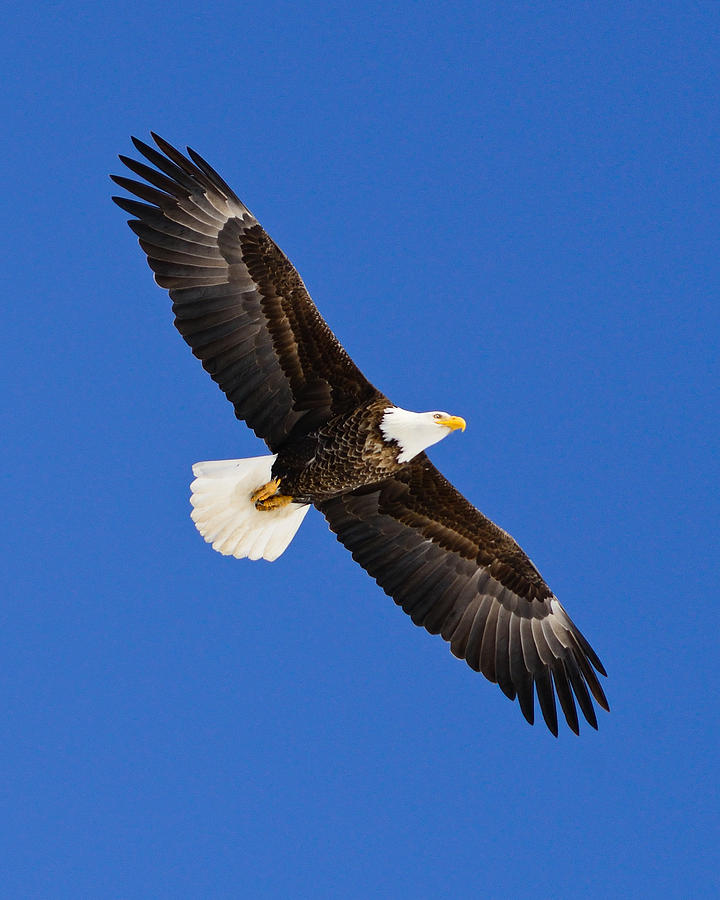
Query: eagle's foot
[[265, 491], [274, 502]]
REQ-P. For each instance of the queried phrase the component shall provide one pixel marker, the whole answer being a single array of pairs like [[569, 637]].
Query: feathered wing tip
[[226, 517]]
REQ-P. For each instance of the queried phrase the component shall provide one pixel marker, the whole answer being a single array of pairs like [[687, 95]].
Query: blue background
[[509, 210]]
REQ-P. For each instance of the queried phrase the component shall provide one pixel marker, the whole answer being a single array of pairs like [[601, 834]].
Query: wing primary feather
[[216, 180], [177, 157], [530, 654], [502, 653], [591, 679], [546, 698], [162, 182], [135, 208], [521, 678], [181, 226], [589, 652], [585, 647], [557, 648], [164, 164], [143, 191], [562, 689], [581, 692], [487, 648], [165, 211], [544, 652]]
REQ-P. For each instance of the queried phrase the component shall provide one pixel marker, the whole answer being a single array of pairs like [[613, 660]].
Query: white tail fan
[[226, 517]]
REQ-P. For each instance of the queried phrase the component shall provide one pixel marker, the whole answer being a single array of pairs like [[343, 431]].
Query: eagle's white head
[[415, 431]]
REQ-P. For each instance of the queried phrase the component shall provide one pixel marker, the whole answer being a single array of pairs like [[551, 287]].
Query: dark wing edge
[[238, 301], [457, 574]]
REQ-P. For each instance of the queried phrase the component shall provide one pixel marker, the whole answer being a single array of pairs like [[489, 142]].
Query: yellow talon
[[265, 491], [274, 502]]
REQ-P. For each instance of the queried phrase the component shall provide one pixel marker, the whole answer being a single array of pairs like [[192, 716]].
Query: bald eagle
[[339, 444]]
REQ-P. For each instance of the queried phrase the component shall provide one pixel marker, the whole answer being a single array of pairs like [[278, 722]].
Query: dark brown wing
[[238, 301], [455, 572]]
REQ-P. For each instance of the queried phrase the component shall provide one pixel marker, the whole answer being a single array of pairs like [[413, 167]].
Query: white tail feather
[[226, 517]]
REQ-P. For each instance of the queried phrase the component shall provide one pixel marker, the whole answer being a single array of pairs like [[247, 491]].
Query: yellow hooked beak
[[452, 422]]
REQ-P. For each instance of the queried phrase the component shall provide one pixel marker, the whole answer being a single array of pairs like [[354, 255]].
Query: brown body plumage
[[346, 453]]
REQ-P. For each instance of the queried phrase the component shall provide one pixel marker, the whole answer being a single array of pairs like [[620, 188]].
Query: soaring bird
[[339, 444]]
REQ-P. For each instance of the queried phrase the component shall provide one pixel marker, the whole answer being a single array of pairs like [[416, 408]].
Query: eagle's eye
[[437, 416]]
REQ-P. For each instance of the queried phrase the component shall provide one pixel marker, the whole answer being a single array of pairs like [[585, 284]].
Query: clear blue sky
[[506, 211]]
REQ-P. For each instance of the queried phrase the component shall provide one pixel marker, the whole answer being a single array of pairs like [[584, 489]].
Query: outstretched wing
[[238, 301], [459, 575]]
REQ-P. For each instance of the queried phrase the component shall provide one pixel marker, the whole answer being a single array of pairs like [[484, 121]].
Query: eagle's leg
[[274, 502], [265, 491], [267, 497]]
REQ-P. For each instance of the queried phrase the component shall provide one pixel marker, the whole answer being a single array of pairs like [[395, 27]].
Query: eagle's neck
[[411, 431]]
